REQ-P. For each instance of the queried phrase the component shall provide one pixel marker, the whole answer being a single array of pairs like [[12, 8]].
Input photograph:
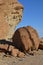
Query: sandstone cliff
[[10, 16]]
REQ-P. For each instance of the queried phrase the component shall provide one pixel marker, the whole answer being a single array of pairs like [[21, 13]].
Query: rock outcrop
[[26, 39], [10, 16]]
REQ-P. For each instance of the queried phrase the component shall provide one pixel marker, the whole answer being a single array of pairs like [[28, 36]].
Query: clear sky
[[32, 15]]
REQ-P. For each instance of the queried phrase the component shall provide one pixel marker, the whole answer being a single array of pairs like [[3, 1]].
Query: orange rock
[[41, 40], [21, 39], [3, 47], [11, 48], [21, 54], [16, 53], [3, 28], [34, 37], [26, 39], [10, 16], [41, 43]]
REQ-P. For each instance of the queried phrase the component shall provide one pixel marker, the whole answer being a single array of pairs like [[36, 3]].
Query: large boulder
[[21, 39], [10, 16], [26, 39]]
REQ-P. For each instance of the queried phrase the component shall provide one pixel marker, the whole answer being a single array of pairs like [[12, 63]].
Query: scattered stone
[[17, 53]]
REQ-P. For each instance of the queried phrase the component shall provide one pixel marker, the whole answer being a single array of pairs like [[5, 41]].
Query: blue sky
[[32, 15]]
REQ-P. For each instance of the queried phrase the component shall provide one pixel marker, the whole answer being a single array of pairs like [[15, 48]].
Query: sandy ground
[[28, 60]]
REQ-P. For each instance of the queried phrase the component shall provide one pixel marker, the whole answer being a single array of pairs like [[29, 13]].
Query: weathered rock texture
[[26, 39], [33, 36], [9, 49], [41, 43], [10, 16]]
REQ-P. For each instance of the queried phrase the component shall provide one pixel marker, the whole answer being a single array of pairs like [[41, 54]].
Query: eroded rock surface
[[10, 16], [26, 39], [8, 49], [33, 36]]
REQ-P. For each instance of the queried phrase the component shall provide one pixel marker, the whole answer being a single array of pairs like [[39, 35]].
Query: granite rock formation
[[10, 16], [26, 39]]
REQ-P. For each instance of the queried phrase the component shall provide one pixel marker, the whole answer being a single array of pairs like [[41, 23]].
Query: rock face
[[10, 16], [26, 39]]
